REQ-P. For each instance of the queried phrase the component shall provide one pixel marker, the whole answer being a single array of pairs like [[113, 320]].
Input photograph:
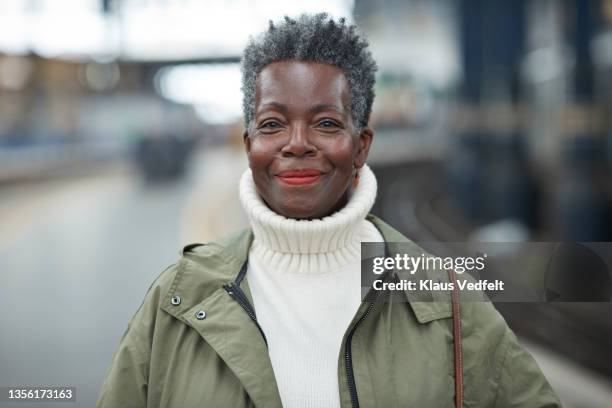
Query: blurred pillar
[[489, 175], [602, 60], [583, 202], [581, 34], [492, 45], [107, 6]]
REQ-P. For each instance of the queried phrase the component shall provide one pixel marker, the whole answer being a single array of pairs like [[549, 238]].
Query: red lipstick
[[299, 177]]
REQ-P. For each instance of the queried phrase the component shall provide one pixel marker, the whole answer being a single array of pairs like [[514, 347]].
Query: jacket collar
[[427, 306]]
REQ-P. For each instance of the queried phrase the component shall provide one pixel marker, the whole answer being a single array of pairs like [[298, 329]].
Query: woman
[[273, 316]]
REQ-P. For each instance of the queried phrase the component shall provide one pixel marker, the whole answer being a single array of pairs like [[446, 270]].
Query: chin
[[299, 214], [305, 208]]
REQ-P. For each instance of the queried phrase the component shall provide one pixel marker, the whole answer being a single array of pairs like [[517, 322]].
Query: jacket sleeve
[[521, 382], [126, 380]]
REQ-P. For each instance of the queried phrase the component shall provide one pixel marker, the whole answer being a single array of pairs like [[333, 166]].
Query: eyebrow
[[315, 109], [275, 105], [325, 106]]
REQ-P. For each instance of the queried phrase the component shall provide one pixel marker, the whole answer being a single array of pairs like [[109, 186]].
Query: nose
[[299, 143]]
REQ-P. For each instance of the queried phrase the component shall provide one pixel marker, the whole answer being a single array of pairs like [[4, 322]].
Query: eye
[[270, 126], [328, 124]]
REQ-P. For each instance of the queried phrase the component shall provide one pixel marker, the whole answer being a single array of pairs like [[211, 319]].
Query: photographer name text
[[432, 285]]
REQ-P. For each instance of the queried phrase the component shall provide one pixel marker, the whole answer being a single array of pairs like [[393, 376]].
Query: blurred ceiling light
[[13, 32], [70, 34], [215, 115], [56, 28], [214, 90], [145, 29]]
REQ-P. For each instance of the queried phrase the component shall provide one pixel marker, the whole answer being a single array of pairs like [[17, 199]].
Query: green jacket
[[191, 344]]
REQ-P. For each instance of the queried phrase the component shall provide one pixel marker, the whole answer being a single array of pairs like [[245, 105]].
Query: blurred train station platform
[[121, 141], [79, 252]]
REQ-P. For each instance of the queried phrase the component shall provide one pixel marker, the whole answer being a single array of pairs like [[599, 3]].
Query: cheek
[[342, 153], [262, 152], [261, 156]]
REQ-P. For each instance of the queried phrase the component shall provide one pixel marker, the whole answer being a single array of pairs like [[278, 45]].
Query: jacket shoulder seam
[[142, 352]]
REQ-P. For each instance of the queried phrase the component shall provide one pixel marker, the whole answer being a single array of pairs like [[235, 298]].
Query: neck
[[309, 246]]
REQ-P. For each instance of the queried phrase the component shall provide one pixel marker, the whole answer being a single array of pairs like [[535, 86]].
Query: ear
[[247, 141], [364, 142]]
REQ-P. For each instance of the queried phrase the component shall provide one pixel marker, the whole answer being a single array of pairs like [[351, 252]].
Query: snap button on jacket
[[190, 344]]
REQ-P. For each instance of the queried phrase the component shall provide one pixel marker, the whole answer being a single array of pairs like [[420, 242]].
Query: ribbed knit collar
[[309, 246]]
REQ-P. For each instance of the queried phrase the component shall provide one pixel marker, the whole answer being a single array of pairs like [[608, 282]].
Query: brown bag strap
[[457, 340]]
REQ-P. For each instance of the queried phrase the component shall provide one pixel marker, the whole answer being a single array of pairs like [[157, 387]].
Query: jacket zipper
[[238, 295], [234, 290], [348, 358]]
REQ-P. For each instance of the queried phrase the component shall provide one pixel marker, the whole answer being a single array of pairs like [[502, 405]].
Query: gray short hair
[[316, 38]]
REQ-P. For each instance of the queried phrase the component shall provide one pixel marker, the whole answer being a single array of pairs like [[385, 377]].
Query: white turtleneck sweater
[[304, 277]]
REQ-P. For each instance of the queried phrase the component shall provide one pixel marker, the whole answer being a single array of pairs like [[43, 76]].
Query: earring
[[356, 178]]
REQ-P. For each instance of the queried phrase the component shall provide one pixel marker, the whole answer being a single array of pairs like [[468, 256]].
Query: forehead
[[301, 84]]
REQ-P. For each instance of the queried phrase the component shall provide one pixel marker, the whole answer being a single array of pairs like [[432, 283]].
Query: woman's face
[[302, 145]]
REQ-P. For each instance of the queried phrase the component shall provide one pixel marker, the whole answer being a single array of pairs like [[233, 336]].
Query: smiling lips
[[299, 177]]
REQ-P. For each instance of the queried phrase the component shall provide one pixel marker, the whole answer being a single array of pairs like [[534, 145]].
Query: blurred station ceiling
[[143, 30]]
